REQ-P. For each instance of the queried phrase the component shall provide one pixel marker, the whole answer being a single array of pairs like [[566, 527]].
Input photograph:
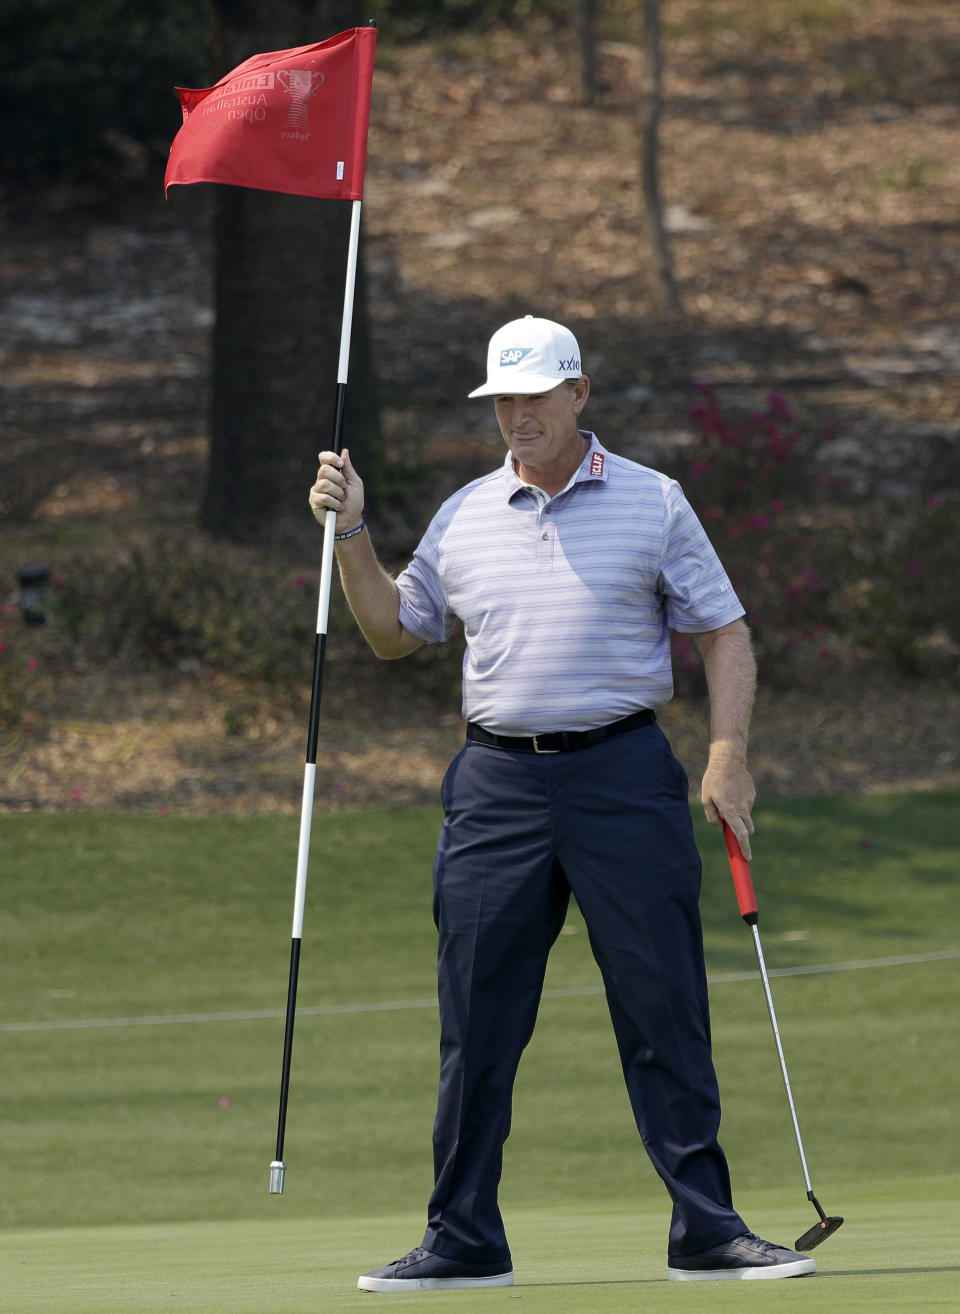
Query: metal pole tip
[[277, 1173]]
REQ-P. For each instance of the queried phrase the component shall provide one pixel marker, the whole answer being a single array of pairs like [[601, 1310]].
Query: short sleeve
[[423, 608], [697, 592]]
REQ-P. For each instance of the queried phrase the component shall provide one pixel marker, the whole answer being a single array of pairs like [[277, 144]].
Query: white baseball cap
[[529, 355]]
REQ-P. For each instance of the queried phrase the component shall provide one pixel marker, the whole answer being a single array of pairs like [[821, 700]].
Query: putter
[[747, 899]]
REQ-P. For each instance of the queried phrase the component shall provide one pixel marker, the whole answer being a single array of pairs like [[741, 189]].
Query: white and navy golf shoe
[[422, 1270], [745, 1257]]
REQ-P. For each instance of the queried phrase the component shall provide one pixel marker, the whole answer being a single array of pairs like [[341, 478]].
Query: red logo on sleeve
[[596, 465]]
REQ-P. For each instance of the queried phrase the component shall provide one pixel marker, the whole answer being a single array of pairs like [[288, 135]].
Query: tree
[[86, 89], [586, 20], [279, 278], [651, 111]]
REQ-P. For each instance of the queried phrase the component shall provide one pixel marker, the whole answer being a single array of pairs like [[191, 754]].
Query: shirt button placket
[[547, 538]]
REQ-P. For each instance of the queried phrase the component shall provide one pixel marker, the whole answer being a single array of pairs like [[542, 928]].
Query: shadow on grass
[[594, 1282], [891, 1272], [842, 1273]]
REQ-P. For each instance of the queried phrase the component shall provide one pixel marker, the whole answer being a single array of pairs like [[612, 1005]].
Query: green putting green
[[887, 1257], [143, 979]]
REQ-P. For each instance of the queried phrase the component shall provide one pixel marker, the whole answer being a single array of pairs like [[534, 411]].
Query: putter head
[[819, 1232], [278, 1171]]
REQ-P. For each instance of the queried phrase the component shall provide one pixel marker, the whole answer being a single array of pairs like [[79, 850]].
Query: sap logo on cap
[[514, 355], [529, 354]]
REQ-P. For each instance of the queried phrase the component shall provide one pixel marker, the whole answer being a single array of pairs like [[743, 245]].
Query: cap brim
[[523, 385]]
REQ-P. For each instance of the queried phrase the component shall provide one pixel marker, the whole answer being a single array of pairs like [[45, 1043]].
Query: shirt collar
[[592, 467]]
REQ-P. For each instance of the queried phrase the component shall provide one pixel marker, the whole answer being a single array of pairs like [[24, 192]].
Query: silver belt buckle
[[544, 752]]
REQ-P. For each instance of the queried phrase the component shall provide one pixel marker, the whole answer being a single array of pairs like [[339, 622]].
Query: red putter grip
[[742, 880]]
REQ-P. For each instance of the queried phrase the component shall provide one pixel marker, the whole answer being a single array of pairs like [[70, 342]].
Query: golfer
[[567, 568]]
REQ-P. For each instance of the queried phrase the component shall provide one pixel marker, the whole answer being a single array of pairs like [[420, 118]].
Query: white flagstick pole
[[278, 1167]]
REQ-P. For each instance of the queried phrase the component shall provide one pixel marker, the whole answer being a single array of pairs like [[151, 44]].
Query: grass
[[139, 1153], [886, 1258]]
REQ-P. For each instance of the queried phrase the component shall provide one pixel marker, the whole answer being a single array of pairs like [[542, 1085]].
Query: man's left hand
[[728, 794]]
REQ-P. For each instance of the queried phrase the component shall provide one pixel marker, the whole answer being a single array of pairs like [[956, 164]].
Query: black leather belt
[[560, 741]]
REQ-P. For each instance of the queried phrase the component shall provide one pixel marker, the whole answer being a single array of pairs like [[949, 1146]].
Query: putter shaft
[[747, 899], [783, 1062]]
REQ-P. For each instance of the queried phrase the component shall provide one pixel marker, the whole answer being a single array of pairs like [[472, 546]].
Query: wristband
[[350, 533]]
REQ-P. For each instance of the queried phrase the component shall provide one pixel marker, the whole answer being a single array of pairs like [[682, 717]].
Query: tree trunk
[[280, 265], [665, 286], [586, 20]]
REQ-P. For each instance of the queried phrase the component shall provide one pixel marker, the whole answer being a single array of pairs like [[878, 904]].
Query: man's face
[[541, 429]]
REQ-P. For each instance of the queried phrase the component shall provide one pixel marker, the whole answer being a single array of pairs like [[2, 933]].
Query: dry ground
[[164, 748], [811, 171]]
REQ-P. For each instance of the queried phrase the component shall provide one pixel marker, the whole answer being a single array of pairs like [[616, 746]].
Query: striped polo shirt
[[566, 602]]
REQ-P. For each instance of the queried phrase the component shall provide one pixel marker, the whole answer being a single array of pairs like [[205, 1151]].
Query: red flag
[[286, 121]]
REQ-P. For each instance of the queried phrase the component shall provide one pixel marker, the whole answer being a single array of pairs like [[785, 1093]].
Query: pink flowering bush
[[830, 585], [908, 610]]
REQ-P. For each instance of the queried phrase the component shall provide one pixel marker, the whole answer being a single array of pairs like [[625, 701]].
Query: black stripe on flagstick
[[295, 945], [338, 417], [321, 643], [288, 1042], [315, 695]]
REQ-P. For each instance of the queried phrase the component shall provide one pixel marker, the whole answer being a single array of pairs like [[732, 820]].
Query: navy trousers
[[611, 823]]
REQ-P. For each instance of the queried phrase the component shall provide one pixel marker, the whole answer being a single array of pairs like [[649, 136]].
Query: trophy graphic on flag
[[299, 84]]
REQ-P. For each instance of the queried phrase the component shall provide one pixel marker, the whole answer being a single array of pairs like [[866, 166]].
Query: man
[[567, 569]]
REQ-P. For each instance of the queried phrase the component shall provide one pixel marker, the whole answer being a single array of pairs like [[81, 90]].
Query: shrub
[[828, 583], [25, 677], [186, 602]]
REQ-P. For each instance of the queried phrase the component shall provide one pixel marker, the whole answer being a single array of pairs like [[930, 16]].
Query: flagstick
[[278, 1168]]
